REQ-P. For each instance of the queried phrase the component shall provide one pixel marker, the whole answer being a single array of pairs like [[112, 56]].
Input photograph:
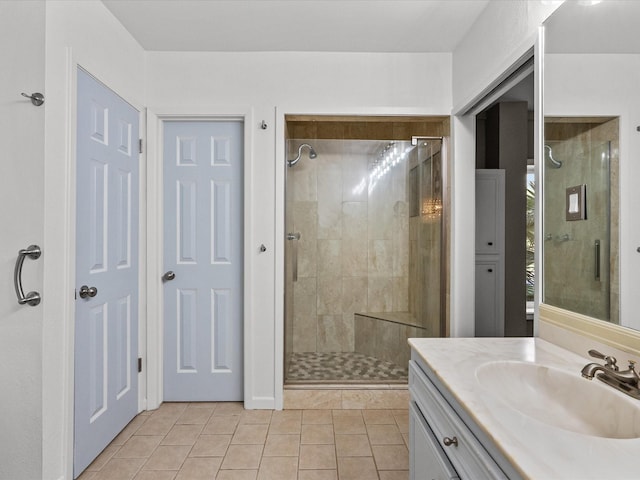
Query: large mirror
[[590, 164]]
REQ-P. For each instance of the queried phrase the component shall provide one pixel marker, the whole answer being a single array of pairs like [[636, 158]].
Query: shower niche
[[366, 241]]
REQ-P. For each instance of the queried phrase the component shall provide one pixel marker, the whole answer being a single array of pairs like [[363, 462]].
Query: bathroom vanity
[[515, 408]]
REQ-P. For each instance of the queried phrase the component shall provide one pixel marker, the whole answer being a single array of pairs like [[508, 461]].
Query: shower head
[[312, 154], [554, 163]]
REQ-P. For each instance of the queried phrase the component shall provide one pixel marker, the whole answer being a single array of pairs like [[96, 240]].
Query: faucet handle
[[610, 361]]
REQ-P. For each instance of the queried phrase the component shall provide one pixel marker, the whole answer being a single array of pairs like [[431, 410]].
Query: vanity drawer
[[467, 455]]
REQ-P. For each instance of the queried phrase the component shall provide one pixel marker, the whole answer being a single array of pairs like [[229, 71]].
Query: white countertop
[[537, 450]]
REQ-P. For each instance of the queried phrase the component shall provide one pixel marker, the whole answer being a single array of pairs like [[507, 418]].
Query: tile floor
[[193, 441]]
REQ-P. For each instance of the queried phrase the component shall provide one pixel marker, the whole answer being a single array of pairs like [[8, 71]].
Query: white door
[[203, 260], [106, 327]]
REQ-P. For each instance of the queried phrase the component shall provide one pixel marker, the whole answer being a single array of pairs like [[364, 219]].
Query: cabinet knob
[[490, 270], [490, 243], [450, 441]]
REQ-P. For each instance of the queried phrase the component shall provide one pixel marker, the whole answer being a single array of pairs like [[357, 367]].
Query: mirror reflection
[[589, 168]]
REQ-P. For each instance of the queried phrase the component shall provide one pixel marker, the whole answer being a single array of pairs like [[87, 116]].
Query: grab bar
[[597, 257], [31, 298], [294, 236]]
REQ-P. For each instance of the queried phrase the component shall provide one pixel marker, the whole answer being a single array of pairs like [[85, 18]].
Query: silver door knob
[[168, 276], [86, 291]]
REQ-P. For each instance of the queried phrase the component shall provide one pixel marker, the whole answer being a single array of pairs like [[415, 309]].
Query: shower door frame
[[280, 221]]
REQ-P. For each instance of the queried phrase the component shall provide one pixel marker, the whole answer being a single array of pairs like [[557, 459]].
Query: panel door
[[489, 296], [106, 324], [203, 248], [490, 195]]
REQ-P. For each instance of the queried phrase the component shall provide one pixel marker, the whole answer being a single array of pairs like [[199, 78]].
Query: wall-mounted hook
[[263, 248], [36, 98], [263, 125]]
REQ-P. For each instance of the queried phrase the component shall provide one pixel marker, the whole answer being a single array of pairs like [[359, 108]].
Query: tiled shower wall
[[353, 252]]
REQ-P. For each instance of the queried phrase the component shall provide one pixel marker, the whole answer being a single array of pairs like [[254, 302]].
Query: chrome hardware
[[638, 249], [548, 237], [168, 276], [294, 236], [36, 98], [263, 248], [450, 441], [627, 381], [597, 259], [263, 125], [86, 291], [31, 298]]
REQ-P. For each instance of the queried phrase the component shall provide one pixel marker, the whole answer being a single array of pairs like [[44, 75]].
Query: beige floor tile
[[182, 435], [347, 413], [384, 435], [313, 399], [242, 457], [104, 457], [87, 475], [394, 475], [255, 417], [316, 417], [282, 446], [219, 425], [203, 468], [317, 457], [139, 446], [167, 458], [156, 475], [195, 415], [349, 425], [129, 430], [318, 475], [120, 469], [402, 419], [237, 475], [278, 468], [285, 425], [228, 408], [250, 435], [391, 457], [211, 446], [156, 425], [405, 437], [317, 434], [378, 417], [353, 446], [170, 411], [356, 468], [286, 414]]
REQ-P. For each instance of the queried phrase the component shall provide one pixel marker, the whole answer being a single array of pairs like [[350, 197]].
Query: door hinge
[[139, 145], [139, 364]]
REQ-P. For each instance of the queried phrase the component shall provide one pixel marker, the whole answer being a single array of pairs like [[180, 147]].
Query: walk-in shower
[[363, 251]]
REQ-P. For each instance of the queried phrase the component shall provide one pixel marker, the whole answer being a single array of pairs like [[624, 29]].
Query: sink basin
[[561, 399]]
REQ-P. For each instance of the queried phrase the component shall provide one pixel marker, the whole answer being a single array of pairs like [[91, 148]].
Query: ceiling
[[297, 25]]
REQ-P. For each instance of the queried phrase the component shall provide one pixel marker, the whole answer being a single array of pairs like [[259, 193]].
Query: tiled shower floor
[[351, 367]]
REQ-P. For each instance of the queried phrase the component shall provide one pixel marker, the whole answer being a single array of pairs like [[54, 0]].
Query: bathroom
[[260, 87]]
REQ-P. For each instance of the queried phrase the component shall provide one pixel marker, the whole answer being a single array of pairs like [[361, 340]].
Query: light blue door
[[203, 247], [106, 324]]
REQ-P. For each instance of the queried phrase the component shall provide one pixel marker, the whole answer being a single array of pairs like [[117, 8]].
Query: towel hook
[[36, 98]]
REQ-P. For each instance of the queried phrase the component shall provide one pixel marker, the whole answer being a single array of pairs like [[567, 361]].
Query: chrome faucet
[[626, 381]]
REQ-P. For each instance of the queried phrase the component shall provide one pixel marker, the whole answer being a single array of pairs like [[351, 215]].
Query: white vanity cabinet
[[443, 445]]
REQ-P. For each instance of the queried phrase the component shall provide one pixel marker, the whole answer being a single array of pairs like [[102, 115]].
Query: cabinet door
[[490, 188], [427, 461], [489, 297]]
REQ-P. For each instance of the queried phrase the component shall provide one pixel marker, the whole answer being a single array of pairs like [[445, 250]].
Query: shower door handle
[[294, 260], [597, 259], [31, 298]]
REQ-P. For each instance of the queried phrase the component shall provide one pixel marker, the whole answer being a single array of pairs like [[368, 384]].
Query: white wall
[[21, 217], [87, 33], [294, 83], [502, 34], [572, 89]]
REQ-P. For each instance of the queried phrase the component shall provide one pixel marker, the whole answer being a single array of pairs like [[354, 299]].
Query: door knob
[[168, 276], [86, 291]]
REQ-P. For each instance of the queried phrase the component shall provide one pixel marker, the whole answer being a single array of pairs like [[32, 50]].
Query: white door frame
[[154, 255], [60, 283]]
